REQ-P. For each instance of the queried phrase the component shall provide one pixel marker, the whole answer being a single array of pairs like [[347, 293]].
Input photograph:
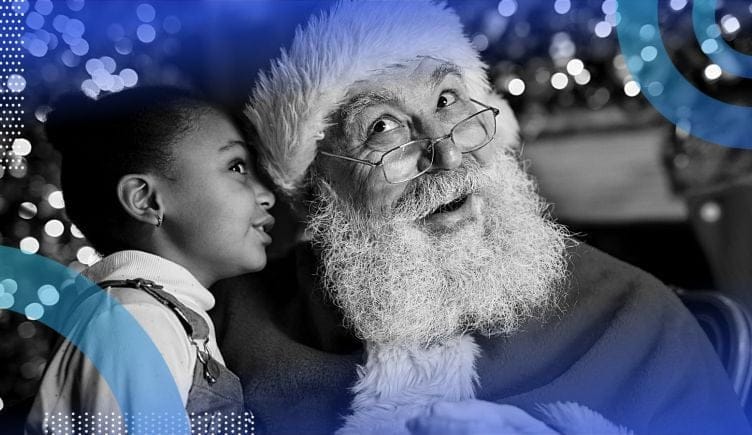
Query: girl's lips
[[266, 223], [262, 227], [265, 238]]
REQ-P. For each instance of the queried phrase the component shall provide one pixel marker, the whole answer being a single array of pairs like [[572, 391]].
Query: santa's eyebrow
[[352, 109], [441, 72]]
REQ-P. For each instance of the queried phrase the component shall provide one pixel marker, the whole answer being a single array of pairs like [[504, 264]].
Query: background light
[[27, 210], [730, 24], [713, 72], [48, 295], [44, 7], [21, 147], [55, 198], [34, 311], [29, 245], [26, 330], [609, 7], [146, 33], [16, 83], [583, 78], [87, 255], [562, 6], [129, 76], [171, 25], [602, 29], [480, 42], [507, 8], [631, 88], [649, 53], [575, 66], [516, 87], [75, 232], [146, 12], [678, 5], [54, 228], [709, 46], [559, 81]]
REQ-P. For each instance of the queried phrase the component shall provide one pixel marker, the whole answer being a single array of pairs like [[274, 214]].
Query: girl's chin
[[254, 264], [238, 265]]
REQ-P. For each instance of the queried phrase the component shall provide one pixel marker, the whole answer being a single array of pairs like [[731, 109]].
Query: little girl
[[162, 184]]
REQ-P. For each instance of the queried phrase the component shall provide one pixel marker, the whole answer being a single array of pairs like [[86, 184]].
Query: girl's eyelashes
[[239, 166]]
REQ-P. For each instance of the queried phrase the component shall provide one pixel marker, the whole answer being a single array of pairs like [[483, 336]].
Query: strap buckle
[[211, 369], [144, 284]]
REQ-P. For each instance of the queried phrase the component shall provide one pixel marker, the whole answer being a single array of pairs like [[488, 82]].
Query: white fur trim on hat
[[290, 104]]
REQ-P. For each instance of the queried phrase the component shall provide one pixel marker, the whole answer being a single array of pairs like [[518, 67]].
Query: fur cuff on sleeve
[[569, 418]]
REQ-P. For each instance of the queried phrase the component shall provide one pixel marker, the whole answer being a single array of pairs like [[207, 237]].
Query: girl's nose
[[264, 196]]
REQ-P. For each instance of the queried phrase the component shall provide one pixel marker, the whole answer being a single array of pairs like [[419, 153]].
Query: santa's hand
[[476, 417]]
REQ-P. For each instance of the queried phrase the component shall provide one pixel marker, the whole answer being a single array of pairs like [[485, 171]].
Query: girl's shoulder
[[110, 319]]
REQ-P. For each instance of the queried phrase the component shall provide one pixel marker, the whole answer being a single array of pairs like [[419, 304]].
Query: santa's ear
[[139, 197]]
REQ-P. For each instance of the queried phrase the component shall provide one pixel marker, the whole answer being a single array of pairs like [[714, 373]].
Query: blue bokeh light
[[146, 12], [44, 7], [34, 311], [74, 28], [146, 33], [75, 5], [48, 295], [35, 21]]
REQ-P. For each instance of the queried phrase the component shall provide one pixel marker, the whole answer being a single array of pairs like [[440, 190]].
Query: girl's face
[[215, 207]]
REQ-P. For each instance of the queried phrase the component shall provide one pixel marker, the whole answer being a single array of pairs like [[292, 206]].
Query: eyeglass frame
[[431, 144]]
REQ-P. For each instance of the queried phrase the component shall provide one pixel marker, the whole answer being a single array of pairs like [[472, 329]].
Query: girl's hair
[[101, 141]]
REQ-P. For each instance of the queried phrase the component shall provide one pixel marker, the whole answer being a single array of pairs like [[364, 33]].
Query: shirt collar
[[133, 264]]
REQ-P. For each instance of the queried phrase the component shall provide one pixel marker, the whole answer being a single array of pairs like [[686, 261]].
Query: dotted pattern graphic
[[114, 423], [12, 84]]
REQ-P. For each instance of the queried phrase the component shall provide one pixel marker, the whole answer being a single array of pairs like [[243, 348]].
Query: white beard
[[413, 295], [398, 283]]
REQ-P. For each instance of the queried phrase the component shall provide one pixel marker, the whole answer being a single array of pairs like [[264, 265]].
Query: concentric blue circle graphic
[[666, 88], [708, 34]]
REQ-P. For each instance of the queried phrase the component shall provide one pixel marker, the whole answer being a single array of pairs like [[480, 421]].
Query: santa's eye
[[446, 99], [384, 125]]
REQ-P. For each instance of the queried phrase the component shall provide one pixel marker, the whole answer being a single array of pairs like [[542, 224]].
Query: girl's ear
[[139, 197]]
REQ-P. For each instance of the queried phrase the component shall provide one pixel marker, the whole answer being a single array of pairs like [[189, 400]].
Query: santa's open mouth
[[461, 209], [450, 206]]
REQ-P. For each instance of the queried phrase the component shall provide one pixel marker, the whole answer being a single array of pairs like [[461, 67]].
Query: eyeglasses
[[413, 159]]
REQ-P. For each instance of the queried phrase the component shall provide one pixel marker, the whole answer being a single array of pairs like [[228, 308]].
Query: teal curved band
[[115, 343]]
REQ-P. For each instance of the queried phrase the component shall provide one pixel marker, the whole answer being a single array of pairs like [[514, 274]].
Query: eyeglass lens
[[408, 161], [414, 158]]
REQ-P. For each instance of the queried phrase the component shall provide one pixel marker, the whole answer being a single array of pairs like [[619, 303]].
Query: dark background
[[620, 176]]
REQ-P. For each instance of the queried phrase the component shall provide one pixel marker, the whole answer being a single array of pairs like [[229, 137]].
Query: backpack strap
[[195, 326]]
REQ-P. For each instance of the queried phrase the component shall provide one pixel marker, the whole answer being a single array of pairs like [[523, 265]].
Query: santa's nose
[[446, 155]]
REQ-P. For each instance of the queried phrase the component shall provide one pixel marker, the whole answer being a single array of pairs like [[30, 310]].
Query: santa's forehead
[[408, 74]]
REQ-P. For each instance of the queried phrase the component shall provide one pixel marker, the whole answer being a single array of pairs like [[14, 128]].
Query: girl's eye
[[446, 99], [240, 168], [383, 125]]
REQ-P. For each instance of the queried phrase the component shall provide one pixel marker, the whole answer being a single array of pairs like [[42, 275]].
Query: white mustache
[[430, 191]]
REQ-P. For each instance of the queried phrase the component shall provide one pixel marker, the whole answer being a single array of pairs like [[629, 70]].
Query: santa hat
[[291, 104]]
